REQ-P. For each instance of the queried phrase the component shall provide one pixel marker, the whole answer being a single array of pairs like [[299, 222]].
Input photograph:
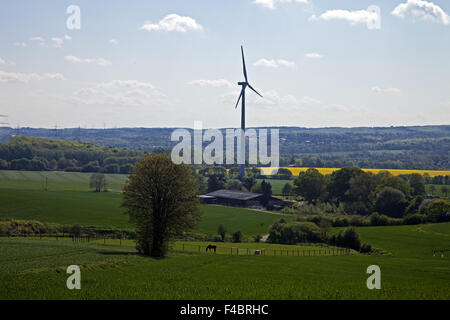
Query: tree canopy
[[161, 200]]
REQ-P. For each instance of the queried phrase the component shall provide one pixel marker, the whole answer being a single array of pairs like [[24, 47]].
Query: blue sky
[[170, 63]]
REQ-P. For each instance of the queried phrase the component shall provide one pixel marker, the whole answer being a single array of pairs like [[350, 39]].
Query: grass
[[249, 222], [437, 190], [35, 269], [55, 180], [64, 207], [86, 208], [277, 185]]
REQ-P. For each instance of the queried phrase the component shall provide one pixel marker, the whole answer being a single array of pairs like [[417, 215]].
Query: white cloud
[[20, 44], [313, 55], [286, 63], [26, 77], [353, 17], [309, 101], [266, 63], [126, 93], [424, 10], [173, 22], [385, 90], [97, 61], [211, 83], [272, 63], [39, 40], [336, 107], [6, 62], [57, 42], [114, 42], [271, 98], [271, 4]]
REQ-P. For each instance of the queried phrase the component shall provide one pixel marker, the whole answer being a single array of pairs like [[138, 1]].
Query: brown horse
[[211, 247]]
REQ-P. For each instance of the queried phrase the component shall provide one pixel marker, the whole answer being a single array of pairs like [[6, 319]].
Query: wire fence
[[231, 250], [309, 249]]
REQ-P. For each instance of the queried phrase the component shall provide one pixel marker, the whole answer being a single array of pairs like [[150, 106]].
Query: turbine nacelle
[[245, 83]]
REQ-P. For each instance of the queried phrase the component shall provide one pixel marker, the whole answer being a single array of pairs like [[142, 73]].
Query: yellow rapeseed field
[[296, 171]]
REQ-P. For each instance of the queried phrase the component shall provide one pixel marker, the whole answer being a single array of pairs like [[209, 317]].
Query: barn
[[237, 198]]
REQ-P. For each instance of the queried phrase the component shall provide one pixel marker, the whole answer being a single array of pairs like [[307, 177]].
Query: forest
[[413, 147]]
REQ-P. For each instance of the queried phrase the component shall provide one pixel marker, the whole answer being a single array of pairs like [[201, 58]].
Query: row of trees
[[308, 232], [36, 154], [359, 192]]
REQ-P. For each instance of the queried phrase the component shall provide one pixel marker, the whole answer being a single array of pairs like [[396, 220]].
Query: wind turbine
[[244, 86]]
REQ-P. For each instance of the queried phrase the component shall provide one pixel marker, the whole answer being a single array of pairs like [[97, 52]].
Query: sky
[[141, 63]]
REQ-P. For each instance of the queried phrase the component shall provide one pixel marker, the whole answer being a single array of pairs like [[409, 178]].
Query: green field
[[277, 185], [437, 190], [55, 180], [67, 203], [35, 269]]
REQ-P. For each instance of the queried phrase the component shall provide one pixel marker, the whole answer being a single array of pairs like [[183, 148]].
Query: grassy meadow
[[34, 268], [68, 200]]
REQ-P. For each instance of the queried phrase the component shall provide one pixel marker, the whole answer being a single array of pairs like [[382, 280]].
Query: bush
[[92, 166], [75, 230], [111, 168], [391, 202], [415, 218], [73, 169], [377, 219], [414, 205], [126, 168], [366, 248], [357, 221], [438, 211], [22, 227], [348, 239], [237, 236], [341, 222], [4, 164], [295, 232], [258, 238]]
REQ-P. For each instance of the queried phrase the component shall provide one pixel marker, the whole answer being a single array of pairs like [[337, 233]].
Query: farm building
[[237, 198]]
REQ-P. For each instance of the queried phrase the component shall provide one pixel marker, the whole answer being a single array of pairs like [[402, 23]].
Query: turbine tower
[[244, 85]]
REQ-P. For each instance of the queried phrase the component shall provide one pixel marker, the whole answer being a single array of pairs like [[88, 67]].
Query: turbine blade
[[254, 90], [243, 64], [239, 99]]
